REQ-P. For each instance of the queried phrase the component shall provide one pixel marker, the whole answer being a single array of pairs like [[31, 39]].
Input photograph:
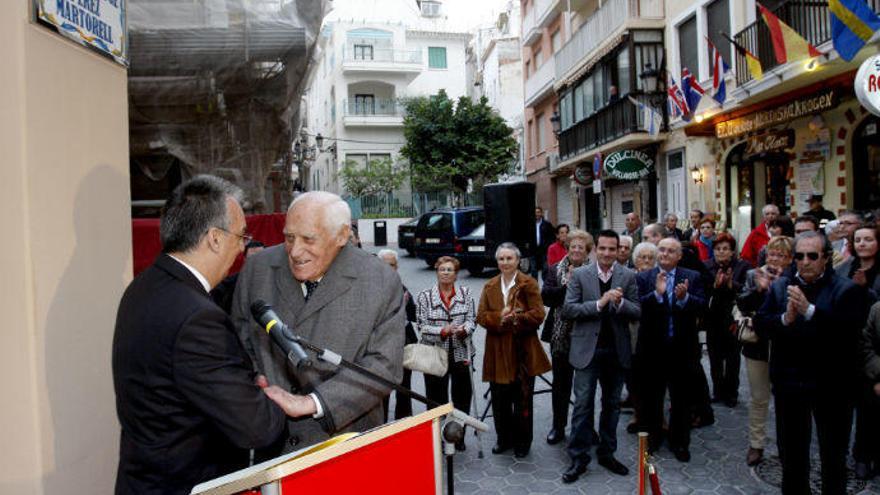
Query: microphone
[[280, 333]]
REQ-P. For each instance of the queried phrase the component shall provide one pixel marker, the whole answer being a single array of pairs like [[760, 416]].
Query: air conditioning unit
[[552, 160]]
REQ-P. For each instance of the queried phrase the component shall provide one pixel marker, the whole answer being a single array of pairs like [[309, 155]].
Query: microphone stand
[[453, 429]]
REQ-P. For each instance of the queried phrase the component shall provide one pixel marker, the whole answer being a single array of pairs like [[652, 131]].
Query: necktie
[[670, 294], [310, 288]]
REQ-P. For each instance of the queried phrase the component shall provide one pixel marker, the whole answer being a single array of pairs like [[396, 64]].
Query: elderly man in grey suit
[[335, 296], [602, 299]]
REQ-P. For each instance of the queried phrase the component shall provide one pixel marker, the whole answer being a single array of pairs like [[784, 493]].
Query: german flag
[[752, 61], [788, 45]]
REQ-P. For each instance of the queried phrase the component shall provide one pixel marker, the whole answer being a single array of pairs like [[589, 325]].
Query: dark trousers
[[561, 392], [866, 447], [795, 411], [604, 370], [512, 412], [701, 404], [724, 361], [402, 403], [437, 387], [655, 377]]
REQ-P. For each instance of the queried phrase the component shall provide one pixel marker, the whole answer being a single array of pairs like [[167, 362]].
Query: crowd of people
[[795, 301], [199, 384]]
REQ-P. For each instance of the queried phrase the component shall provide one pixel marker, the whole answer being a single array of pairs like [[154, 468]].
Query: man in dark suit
[[813, 320], [335, 296], [545, 235], [602, 299], [672, 298], [186, 395]]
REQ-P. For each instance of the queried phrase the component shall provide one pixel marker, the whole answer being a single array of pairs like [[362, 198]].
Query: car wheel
[[410, 252]]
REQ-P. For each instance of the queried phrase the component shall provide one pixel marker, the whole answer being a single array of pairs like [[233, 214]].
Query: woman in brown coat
[[511, 311]]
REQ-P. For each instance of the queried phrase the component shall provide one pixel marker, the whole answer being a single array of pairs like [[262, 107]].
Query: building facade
[[495, 72], [794, 132], [373, 55]]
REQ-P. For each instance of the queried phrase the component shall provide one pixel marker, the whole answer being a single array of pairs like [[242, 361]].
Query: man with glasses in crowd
[[813, 320]]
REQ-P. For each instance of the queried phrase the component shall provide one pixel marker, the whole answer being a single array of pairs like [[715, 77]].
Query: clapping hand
[[681, 290], [459, 332], [660, 284], [796, 296], [859, 277]]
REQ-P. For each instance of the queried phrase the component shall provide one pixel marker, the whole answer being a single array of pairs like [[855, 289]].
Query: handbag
[[426, 358], [745, 331]]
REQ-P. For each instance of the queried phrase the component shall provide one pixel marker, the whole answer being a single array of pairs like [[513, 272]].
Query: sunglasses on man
[[812, 255]]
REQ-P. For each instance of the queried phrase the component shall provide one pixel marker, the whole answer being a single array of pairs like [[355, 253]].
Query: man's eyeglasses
[[245, 238], [812, 255]]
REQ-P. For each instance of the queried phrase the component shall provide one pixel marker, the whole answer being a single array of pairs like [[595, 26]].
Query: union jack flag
[[678, 107]]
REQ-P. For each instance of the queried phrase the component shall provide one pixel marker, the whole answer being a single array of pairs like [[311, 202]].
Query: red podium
[[403, 457]]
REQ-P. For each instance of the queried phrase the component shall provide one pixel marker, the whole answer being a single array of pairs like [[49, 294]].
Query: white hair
[[336, 212], [626, 238], [387, 252], [768, 207], [508, 245], [644, 246]]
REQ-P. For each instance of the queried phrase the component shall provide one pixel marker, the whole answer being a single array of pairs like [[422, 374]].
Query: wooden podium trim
[[287, 468]]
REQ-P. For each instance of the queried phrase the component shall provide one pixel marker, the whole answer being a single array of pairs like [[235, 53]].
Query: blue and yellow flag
[[853, 24]]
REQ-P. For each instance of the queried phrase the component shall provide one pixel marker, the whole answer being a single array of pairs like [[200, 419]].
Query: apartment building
[[374, 53]]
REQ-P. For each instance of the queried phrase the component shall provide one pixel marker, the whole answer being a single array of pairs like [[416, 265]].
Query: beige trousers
[[759, 405]]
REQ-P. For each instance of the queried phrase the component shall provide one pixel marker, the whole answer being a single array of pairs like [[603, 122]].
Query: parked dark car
[[406, 236], [474, 255], [439, 232]]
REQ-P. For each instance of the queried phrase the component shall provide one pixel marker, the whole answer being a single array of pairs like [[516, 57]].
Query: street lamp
[[319, 141], [697, 174]]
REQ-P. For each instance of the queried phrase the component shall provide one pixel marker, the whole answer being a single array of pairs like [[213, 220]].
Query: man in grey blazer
[[335, 296], [602, 299]]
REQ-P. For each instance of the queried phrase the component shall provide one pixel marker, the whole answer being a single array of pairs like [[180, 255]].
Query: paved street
[[717, 466]]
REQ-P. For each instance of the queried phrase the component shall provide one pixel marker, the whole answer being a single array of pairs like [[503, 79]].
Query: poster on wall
[[809, 180], [99, 24]]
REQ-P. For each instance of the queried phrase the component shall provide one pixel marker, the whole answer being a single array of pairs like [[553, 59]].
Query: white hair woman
[[511, 311]]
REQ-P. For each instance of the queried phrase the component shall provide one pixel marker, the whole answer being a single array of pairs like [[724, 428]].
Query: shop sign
[[801, 107], [867, 84], [770, 142], [628, 165], [99, 24], [583, 175]]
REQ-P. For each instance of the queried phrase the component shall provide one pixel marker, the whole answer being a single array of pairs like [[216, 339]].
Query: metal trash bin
[[380, 233]]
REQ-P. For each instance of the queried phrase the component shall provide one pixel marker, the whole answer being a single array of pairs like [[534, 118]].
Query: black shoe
[[613, 465], [632, 427], [574, 471], [681, 454], [520, 452], [460, 446], [500, 448], [706, 419], [555, 436], [627, 403], [731, 403], [716, 399], [654, 446]]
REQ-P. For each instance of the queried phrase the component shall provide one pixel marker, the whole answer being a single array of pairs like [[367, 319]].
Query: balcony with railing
[[537, 17], [811, 19], [374, 59], [372, 112], [540, 83], [612, 17], [616, 120]]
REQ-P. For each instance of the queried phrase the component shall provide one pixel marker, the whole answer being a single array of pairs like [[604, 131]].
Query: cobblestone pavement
[[718, 451]]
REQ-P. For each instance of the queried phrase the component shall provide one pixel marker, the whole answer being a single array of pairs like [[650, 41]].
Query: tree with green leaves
[[377, 177], [450, 145]]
